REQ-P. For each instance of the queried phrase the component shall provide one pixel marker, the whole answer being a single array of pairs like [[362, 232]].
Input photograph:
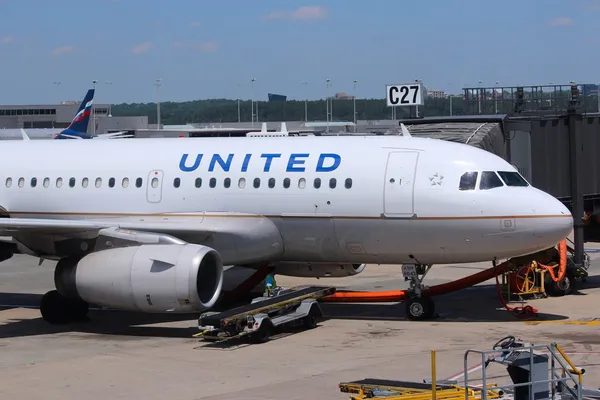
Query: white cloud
[[62, 50], [307, 13], [141, 48], [195, 24], [6, 39], [206, 47], [562, 21]]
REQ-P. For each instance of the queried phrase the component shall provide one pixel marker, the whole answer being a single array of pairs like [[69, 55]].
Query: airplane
[[265, 133], [152, 230]]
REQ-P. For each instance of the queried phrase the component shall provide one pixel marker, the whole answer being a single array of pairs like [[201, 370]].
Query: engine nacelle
[[318, 270], [148, 278]]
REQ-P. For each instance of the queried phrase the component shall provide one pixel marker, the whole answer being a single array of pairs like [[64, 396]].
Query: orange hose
[[399, 295], [562, 251]]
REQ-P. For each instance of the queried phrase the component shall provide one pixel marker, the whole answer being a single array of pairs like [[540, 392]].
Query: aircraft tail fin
[[283, 127], [263, 128], [79, 125], [404, 130], [24, 134]]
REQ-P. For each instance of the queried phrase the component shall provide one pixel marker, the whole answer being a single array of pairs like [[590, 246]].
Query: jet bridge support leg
[[418, 307]]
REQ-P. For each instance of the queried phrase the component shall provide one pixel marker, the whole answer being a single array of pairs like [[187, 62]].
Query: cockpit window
[[512, 178], [468, 181], [489, 180]]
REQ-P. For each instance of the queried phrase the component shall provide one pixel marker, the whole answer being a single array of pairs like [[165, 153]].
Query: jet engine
[[318, 270], [177, 278]]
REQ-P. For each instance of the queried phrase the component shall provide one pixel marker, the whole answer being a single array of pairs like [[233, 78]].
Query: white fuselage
[[402, 203]]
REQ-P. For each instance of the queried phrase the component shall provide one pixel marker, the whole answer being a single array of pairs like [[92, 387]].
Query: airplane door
[[154, 191], [399, 184]]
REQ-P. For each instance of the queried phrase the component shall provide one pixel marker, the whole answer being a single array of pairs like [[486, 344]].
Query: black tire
[[57, 309], [419, 309], [561, 288], [311, 320], [263, 334], [54, 308]]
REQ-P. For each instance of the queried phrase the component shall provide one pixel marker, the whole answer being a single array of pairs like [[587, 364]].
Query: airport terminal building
[[60, 116]]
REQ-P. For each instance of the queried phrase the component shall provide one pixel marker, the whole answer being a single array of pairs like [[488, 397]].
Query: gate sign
[[410, 94]]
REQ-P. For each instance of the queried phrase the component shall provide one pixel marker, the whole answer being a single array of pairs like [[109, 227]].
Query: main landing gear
[[418, 307], [58, 309]]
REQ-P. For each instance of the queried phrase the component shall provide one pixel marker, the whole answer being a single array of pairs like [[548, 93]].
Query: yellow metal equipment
[[399, 390], [526, 282]]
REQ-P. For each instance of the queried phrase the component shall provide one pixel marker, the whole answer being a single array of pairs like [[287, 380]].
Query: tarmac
[[120, 355]]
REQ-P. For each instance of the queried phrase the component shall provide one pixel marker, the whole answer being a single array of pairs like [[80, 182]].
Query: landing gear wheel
[[420, 308], [57, 309], [561, 288]]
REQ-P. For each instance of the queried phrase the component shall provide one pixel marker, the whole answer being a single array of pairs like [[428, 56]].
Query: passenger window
[[227, 182], [348, 183], [317, 183], [256, 183], [59, 182], [198, 182], [286, 183], [271, 183], [154, 183], [21, 182], [302, 183], [125, 182], [176, 182], [33, 182], [489, 180], [72, 182], [213, 182], [98, 182], [468, 181], [8, 182], [85, 182], [111, 182], [46, 182], [138, 182], [512, 178], [332, 183], [242, 183]]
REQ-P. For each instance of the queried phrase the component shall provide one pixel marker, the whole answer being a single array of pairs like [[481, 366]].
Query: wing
[[239, 238]]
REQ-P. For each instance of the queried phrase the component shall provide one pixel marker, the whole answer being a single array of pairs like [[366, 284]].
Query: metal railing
[[570, 373]]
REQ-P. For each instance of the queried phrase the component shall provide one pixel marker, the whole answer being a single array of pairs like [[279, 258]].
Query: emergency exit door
[[399, 184], [154, 191]]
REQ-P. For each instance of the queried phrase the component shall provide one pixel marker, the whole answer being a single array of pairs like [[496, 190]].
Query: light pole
[[479, 96], [158, 84], [238, 85], [305, 101], [94, 110], [252, 103], [354, 103], [598, 96], [496, 99], [109, 104], [328, 111], [450, 96], [417, 107]]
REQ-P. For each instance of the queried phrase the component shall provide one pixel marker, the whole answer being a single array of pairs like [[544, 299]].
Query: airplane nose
[[555, 221]]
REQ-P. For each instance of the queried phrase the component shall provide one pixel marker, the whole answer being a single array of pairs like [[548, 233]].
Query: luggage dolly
[[290, 307]]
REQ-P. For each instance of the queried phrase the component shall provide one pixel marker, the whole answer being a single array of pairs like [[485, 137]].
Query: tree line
[[224, 110]]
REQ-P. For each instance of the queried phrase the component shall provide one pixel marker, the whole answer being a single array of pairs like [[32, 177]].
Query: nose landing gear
[[418, 307]]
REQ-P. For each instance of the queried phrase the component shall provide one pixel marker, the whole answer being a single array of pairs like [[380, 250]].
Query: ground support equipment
[[541, 372], [296, 306]]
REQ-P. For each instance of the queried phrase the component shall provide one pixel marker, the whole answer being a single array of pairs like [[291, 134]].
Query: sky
[[52, 50]]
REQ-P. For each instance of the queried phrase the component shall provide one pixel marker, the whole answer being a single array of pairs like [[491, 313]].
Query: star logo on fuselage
[[436, 179]]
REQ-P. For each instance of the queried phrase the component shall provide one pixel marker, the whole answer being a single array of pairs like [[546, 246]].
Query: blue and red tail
[[79, 125]]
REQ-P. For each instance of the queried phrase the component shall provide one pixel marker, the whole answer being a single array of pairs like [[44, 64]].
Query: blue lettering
[[194, 167], [293, 161], [224, 165], [269, 158], [336, 162], [245, 163]]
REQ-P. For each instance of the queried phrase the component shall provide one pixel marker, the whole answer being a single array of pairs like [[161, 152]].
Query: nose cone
[[554, 221]]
